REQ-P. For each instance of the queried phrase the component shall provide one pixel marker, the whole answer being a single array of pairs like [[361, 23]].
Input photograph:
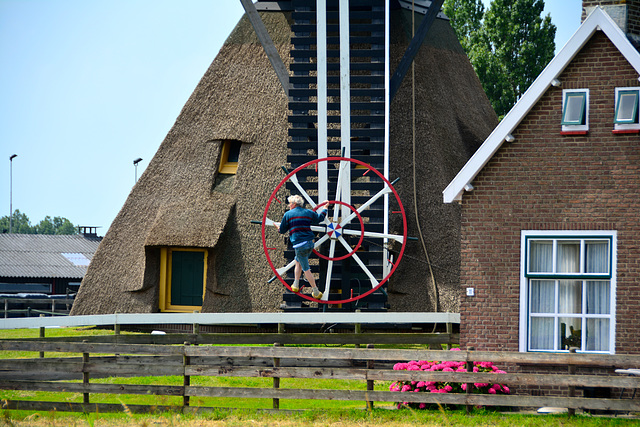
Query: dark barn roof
[[45, 256], [180, 200]]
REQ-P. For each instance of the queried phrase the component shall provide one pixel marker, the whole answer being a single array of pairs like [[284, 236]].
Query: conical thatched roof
[[181, 201], [453, 116]]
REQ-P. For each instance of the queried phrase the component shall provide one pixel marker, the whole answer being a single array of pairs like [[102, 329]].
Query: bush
[[444, 387]]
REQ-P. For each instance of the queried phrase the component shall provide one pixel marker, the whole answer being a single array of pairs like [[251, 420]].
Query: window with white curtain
[[575, 110], [568, 291], [626, 115]]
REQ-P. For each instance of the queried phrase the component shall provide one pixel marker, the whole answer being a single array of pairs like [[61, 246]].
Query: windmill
[[339, 91]]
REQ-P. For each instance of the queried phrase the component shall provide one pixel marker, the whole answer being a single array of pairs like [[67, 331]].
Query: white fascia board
[[597, 20]]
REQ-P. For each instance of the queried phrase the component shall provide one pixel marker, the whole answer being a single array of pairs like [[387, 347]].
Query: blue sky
[[87, 86]]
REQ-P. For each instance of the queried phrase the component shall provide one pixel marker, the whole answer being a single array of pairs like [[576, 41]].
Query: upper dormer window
[[626, 112], [229, 156], [575, 110]]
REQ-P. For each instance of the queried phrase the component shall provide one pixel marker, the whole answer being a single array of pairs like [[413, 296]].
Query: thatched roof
[[453, 116], [180, 200]]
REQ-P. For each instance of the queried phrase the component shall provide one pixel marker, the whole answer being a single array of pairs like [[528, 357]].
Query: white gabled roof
[[597, 20]]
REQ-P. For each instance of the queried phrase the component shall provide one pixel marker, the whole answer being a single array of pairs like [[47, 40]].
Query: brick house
[[550, 249]]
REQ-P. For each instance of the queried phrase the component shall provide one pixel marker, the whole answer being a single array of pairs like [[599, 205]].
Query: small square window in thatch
[[229, 157]]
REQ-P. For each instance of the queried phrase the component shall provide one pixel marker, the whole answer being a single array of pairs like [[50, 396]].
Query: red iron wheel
[[327, 230]]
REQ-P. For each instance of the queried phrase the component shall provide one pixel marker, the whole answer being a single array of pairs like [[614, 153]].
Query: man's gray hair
[[294, 198]]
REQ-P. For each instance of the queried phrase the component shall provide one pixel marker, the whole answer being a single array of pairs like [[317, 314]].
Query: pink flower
[[406, 387], [463, 386], [455, 349], [506, 389], [420, 384], [422, 405], [447, 369], [448, 388], [492, 391]]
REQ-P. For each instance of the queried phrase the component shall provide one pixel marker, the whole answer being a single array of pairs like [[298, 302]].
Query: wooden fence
[[189, 356], [20, 307]]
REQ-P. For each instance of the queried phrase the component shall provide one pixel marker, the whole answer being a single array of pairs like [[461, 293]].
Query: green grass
[[343, 418]]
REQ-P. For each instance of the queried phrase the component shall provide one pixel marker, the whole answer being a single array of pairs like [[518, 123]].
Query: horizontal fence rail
[[130, 358], [230, 319], [30, 306]]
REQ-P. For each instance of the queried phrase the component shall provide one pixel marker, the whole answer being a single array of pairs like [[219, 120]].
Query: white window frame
[[626, 126], [577, 127], [524, 280]]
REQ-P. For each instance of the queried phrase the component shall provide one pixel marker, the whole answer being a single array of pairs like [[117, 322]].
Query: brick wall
[[545, 181]]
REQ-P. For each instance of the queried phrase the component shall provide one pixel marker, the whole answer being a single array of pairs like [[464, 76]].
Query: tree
[[466, 20], [508, 49], [22, 225]]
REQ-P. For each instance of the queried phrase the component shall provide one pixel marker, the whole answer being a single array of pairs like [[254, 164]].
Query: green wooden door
[[187, 277]]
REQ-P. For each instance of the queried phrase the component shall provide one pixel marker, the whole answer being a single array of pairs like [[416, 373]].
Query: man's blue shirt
[[298, 221]]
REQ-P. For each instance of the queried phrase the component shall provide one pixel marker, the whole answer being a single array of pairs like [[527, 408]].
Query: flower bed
[[444, 387]]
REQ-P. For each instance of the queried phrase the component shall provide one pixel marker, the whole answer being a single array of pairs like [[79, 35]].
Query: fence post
[[469, 385], [572, 389], [196, 326], [357, 328], [41, 336], [116, 331], [186, 378], [85, 374], [276, 380], [370, 382], [116, 327], [449, 333]]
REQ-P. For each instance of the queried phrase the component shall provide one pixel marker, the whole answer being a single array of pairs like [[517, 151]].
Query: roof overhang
[[598, 20]]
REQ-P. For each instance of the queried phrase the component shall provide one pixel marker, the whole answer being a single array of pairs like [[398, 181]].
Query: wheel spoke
[[327, 283], [269, 222], [306, 196], [374, 281], [348, 219], [336, 211], [373, 234], [288, 267]]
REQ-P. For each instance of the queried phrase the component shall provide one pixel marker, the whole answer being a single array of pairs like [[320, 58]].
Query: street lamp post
[[135, 163], [13, 156]]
